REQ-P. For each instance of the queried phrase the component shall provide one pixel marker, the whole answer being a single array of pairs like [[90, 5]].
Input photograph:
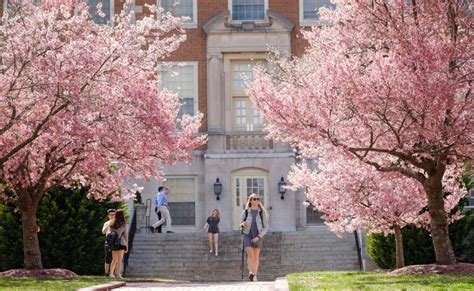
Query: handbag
[[113, 240]]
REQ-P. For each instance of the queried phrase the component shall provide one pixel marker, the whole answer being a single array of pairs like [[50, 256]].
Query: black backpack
[[247, 214], [113, 240]]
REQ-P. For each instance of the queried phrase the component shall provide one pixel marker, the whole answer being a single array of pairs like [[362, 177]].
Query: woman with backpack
[[118, 243], [254, 226]]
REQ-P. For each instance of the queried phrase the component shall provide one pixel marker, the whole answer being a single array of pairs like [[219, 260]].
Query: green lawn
[[63, 284], [50, 284], [377, 281]]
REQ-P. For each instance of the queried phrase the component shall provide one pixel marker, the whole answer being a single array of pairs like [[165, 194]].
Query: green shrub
[[418, 245], [70, 232]]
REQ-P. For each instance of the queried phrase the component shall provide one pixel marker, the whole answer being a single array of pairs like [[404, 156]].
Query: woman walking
[[254, 226], [119, 226], [212, 224]]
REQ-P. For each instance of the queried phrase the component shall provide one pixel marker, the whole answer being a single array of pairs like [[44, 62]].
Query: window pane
[[181, 200], [178, 8], [241, 112], [181, 80], [237, 192], [313, 216], [311, 8], [183, 213], [248, 9], [257, 117], [105, 9], [240, 72]]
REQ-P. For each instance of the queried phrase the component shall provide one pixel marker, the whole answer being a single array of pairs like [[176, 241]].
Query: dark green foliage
[[381, 250], [70, 235], [418, 246]]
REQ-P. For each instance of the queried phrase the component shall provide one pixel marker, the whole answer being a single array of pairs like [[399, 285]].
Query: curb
[[104, 287], [281, 284]]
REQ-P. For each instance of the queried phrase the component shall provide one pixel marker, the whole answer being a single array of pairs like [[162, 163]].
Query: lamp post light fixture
[[217, 188], [281, 188]]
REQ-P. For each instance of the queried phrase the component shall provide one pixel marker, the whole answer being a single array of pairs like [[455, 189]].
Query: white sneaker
[[217, 254], [210, 251], [111, 276], [255, 278]]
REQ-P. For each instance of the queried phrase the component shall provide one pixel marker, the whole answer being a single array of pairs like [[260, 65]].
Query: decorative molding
[[208, 25], [219, 56]]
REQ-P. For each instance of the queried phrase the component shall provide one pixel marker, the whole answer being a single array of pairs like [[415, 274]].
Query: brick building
[[225, 38]]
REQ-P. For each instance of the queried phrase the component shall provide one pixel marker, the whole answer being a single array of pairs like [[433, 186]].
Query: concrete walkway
[[279, 285]]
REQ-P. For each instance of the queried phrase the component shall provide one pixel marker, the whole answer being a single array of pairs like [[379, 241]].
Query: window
[[248, 9], [182, 8], [309, 9], [181, 200], [245, 116], [313, 216], [241, 72], [107, 9], [182, 80]]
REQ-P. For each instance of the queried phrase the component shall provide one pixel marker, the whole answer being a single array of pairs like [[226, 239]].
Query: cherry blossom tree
[[79, 103], [389, 83], [352, 195]]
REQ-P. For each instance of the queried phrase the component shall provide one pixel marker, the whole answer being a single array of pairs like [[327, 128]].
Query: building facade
[[225, 39]]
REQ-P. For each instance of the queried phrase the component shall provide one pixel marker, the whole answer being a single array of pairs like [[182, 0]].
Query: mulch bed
[[40, 273], [434, 269]]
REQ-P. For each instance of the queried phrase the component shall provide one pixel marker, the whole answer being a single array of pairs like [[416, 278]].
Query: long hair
[[260, 204], [119, 219], [218, 215]]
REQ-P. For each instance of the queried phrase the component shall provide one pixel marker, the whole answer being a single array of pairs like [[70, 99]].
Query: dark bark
[[399, 256], [31, 249], [439, 224]]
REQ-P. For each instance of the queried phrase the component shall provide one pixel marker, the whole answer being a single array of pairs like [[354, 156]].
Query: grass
[[9, 284], [378, 281]]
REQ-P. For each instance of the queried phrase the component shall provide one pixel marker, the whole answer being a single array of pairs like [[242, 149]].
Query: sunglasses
[[255, 199]]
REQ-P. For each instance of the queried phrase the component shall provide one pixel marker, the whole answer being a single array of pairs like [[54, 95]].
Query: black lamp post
[[217, 188], [281, 188]]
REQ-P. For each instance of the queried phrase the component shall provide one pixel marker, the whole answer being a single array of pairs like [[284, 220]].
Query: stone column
[[215, 104]]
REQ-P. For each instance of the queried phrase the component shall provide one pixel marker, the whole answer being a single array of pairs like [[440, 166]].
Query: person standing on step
[[212, 225], [107, 250], [254, 226], [162, 206], [119, 226], [158, 213]]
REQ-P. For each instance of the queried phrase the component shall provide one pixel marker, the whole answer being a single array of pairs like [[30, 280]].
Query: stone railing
[[248, 142]]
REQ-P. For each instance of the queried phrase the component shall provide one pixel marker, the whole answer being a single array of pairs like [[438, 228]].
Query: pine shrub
[[70, 234]]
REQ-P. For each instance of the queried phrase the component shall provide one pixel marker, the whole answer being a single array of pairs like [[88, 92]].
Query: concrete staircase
[[185, 256]]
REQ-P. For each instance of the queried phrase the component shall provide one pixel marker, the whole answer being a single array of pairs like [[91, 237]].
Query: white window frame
[[309, 22], [265, 17], [195, 198], [188, 24], [196, 79]]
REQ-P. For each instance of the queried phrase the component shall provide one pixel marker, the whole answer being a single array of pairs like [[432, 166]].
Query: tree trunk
[[31, 249], [400, 259], [439, 224]]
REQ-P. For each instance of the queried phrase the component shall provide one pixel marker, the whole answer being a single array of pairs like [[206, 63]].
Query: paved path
[[225, 286]]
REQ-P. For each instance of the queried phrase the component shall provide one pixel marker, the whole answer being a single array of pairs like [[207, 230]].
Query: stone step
[[186, 257]]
